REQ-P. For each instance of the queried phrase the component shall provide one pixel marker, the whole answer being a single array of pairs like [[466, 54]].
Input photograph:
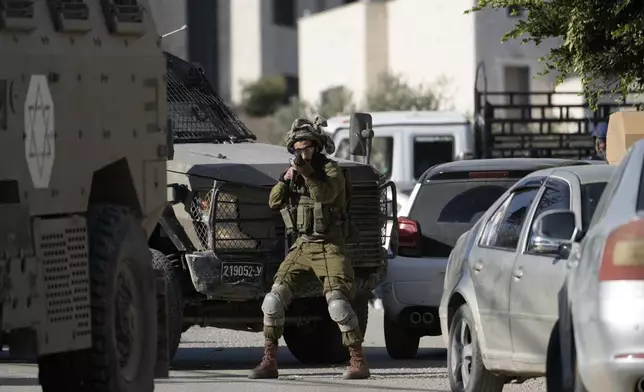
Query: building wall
[[432, 39], [246, 44], [344, 46]]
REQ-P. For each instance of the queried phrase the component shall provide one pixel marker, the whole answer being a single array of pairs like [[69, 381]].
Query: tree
[[391, 92], [264, 97], [602, 41], [334, 101]]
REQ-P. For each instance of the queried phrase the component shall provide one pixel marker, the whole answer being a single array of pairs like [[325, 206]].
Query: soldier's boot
[[268, 367], [358, 368]]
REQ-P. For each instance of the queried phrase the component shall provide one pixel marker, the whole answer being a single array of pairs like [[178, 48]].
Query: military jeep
[[220, 244]]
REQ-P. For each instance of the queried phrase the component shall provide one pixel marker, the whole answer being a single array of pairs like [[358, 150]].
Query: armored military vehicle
[[83, 137], [219, 242]]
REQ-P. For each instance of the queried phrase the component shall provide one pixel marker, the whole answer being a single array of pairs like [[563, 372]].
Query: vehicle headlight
[[200, 208]]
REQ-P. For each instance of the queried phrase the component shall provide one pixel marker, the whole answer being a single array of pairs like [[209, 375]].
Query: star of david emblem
[[39, 115], [40, 148]]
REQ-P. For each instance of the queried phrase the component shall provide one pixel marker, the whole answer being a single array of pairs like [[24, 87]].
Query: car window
[[430, 151], [609, 191], [488, 238], [590, 196], [382, 149], [445, 209], [508, 231], [556, 196]]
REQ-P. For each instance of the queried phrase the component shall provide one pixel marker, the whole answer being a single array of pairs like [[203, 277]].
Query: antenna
[[182, 28]]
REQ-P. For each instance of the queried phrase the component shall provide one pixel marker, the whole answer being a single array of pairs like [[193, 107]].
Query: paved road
[[215, 360]]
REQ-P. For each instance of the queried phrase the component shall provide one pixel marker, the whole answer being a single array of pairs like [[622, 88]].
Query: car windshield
[[590, 194]]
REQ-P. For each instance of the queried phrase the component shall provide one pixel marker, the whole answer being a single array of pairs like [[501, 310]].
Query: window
[[515, 11], [382, 148], [292, 86], [445, 209], [555, 197], [284, 13], [488, 238], [508, 230], [430, 151], [590, 195]]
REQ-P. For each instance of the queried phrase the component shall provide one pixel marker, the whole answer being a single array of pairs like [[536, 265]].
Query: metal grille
[[245, 227], [200, 207], [196, 112], [63, 251], [366, 214]]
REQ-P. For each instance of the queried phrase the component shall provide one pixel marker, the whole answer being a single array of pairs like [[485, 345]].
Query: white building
[[422, 40], [237, 41]]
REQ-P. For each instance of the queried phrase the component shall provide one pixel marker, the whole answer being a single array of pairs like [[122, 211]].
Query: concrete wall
[[344, 46]]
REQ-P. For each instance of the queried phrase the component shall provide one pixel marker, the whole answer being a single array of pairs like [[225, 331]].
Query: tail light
[[408, 237], [623, 257]]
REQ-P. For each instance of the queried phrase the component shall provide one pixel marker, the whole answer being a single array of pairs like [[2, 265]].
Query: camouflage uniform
[[314, 206]]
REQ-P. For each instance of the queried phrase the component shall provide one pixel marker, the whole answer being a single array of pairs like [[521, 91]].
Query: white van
[[408, 143]]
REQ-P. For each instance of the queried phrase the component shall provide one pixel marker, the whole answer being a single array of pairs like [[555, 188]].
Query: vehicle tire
[[554, 363], [320, 342], [121, 359], [168, 264], [465, 368], [400, 343]]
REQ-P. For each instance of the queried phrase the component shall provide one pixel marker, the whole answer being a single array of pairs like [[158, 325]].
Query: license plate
[[241, 273]]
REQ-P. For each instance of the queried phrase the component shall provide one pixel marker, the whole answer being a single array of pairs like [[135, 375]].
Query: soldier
[[312, 197], [599, 136]]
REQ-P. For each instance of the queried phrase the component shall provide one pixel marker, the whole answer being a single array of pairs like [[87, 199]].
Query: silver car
[[499, 302], [598, 343]]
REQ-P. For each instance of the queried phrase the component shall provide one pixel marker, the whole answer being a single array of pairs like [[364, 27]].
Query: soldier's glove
[[306, 169], [282, 179]]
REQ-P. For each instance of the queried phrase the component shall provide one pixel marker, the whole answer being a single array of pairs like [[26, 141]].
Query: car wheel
[[400, 342], [168, 265], [123, 312], [554, 364], [465, 368], [320, 342]]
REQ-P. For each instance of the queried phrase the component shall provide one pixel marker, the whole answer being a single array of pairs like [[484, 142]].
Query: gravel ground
[[216, 360]]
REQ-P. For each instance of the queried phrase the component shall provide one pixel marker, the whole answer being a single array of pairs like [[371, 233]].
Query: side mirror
[[360, 134], [553, 232]]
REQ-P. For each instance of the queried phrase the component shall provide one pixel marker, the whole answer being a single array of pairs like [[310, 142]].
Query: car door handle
[[478, 266], [518, 273]]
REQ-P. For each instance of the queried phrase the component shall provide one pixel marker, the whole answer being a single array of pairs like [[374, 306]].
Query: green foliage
[[285, 115], [391, 92], [264, 97], [602, 41]]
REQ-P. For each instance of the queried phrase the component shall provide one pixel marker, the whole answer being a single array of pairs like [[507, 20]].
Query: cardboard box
[[624, 129]]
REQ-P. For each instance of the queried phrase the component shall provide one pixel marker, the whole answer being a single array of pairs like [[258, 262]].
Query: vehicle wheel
[[320, 342], [400, 343], [465, 368], [554, 377], [168, 265], [123, 303]]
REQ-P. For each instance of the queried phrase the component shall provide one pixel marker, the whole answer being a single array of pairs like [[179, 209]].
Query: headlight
[[200, 207]]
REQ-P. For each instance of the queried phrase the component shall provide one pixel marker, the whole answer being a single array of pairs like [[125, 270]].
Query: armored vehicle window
[[70, 15], [123, 16], [17, 15], [382, 150]]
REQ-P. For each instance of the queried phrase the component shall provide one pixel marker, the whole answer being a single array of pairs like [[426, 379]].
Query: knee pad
[[274, 305], [341, 311]]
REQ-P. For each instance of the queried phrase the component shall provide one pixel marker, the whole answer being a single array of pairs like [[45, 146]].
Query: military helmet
[[305, 129]]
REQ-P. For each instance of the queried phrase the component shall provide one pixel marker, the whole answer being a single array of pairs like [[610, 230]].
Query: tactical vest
[[314, 221]]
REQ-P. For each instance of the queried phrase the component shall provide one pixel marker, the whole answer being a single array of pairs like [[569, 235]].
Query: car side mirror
[[553, 233], [361, 134]]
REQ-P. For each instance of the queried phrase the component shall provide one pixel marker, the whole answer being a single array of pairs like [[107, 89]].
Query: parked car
[[598, 343], [447, 200], [499, 302]]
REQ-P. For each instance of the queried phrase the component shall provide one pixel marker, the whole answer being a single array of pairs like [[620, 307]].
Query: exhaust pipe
[[640, 385], [415, 318], [428, 318]]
